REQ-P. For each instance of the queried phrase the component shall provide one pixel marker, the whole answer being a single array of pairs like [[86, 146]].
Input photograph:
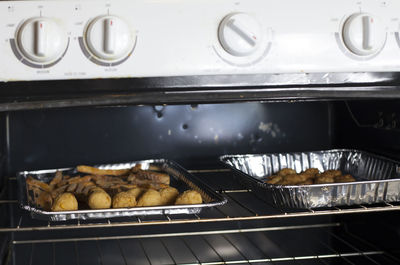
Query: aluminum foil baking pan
[[377, 177], [180, 179]]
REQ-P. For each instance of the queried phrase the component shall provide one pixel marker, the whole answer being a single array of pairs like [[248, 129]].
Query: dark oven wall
[[368, 125], [194, 135]]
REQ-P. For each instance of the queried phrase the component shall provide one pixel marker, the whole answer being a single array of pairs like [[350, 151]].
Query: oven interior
[[248, 229]]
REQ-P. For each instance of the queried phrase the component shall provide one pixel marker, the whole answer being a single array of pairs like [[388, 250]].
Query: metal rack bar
[[169, 253], [256, 246], [31, 255], [122, 253], [144, 251], [191, 250], [8, 201], [99, 252], [210, 232], [227, 218], [214, 250], [76, 253], [209, 170], [236, 248]]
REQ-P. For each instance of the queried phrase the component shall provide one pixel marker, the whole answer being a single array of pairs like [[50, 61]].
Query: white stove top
[[42, 40]]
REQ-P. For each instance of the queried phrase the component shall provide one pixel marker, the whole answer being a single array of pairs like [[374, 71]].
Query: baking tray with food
[[149, 187], [320, 178]]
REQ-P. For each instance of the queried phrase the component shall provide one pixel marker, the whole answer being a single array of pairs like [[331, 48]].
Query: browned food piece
[[86, 191], [324, 178], [150, 198], [97, 171], [31, 182], [127, 187], [82, 190], [305, 176], [63, 181], [154, 186], [99, 199], [135, 180], [333, 172], [83, 185], [283, 182], [109, 182], [311, 171], [74, 180], [307, 182], [155, 168], [117, 188], [286, 171], [65, 202], [57, 179], [58, 191], [308, 177], [136, 168], [79, 179], [345, 178], [189, 197], [101, 177], [72, 187], [168, 195], [44, 200], [114, 189], [154, 176], [274, 179], [123, 200], [294, 179], [136, 192], [95, 188]]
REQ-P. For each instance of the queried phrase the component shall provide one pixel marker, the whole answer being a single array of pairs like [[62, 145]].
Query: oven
[[96, 82]]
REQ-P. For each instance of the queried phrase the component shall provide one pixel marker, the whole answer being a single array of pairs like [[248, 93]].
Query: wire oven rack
[[243, 205], [334, 243], [325, 244]]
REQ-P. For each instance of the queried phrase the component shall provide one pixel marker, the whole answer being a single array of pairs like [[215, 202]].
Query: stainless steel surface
[[242, 205], [377, 177], [180, 179], [271, 94], [329, 243], [211, 88]]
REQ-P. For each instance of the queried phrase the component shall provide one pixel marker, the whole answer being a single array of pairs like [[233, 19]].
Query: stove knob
[[109, 38], [42, 40], [363, 34], [239, 34]]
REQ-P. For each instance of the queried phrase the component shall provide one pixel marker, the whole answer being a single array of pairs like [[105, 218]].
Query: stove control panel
[[70, 39]]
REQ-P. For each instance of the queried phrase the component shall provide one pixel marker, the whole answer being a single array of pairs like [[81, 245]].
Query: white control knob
[[109, 38], [364, 34], [42, 40], [240, 34]]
